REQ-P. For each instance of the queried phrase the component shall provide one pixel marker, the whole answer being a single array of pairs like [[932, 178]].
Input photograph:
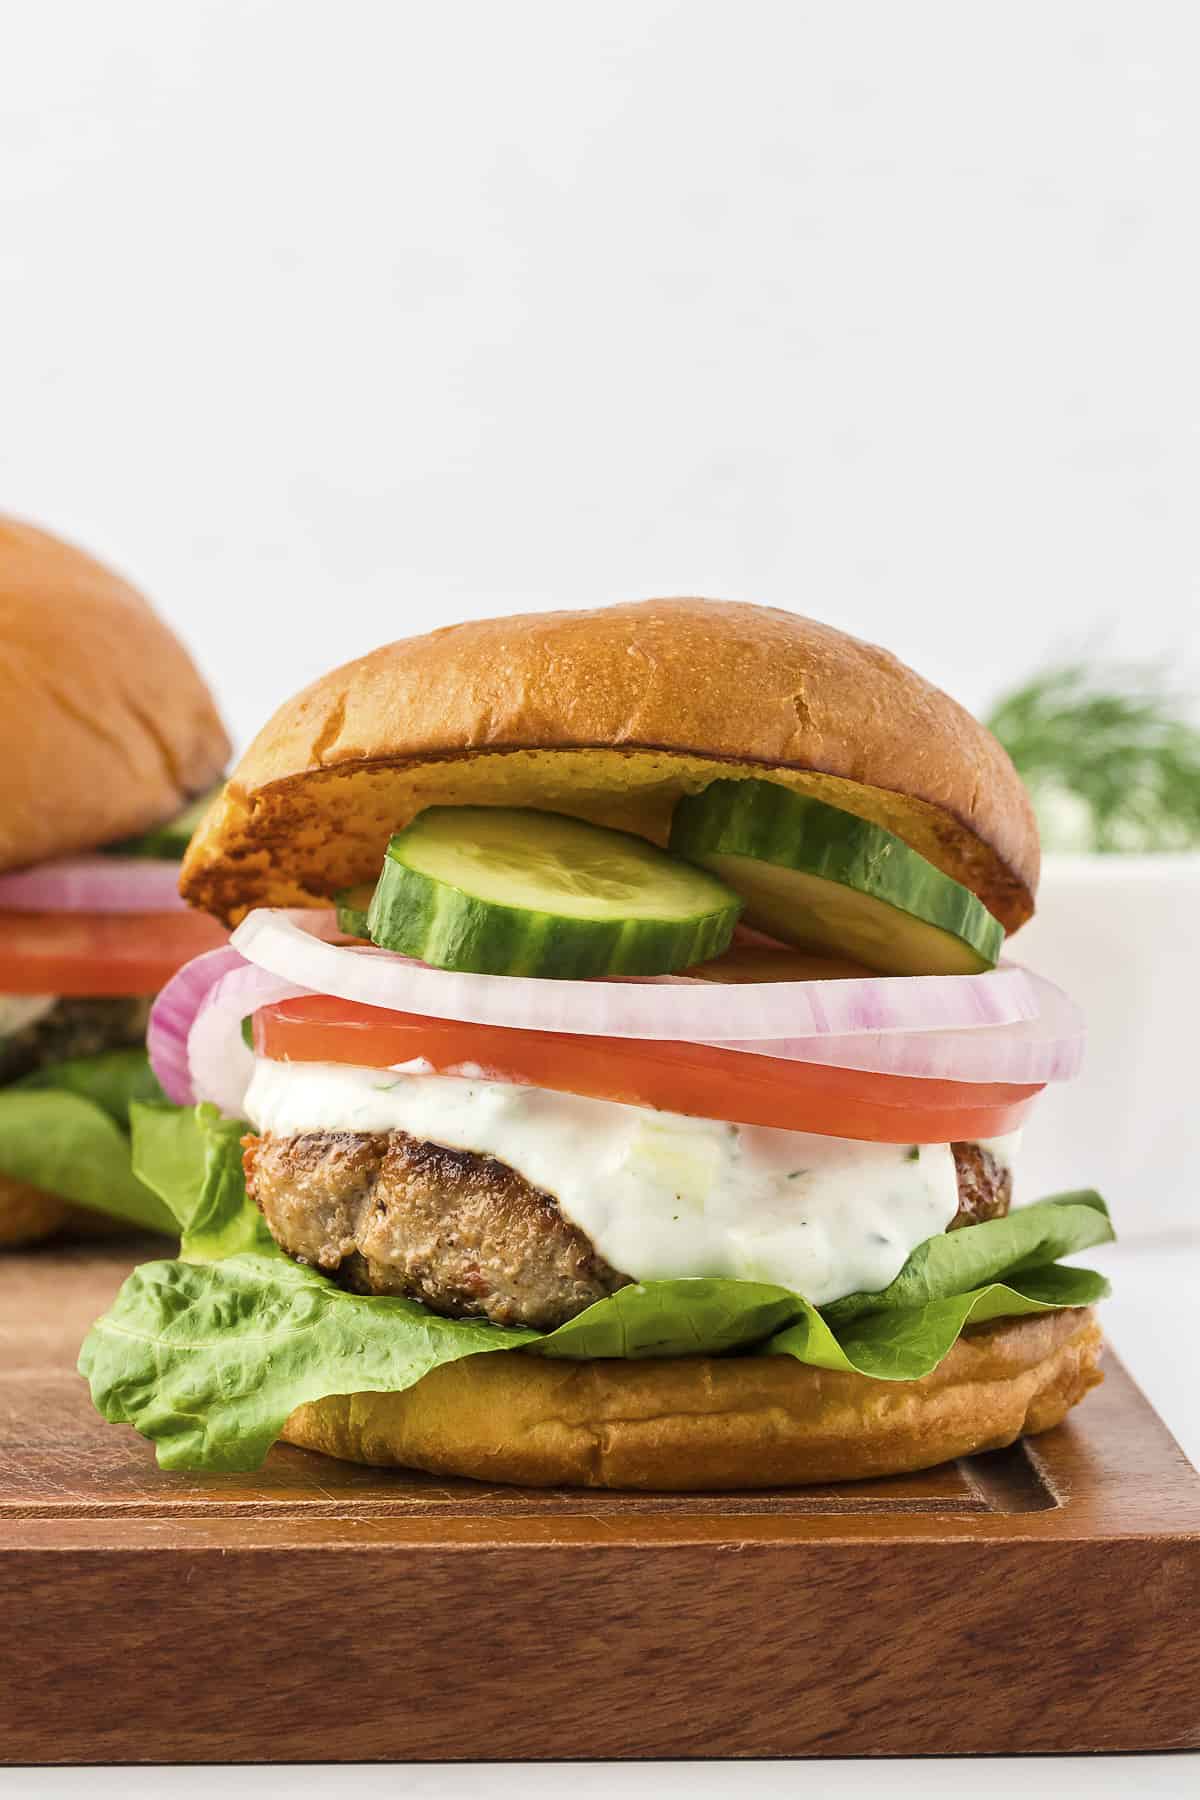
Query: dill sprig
[[1109, 754]]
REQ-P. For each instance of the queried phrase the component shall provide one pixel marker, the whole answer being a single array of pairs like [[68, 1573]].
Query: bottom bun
[[29, 1214], [703, 1422]]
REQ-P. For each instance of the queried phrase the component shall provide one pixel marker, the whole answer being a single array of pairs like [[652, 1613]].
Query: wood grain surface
[[1042, 1598]]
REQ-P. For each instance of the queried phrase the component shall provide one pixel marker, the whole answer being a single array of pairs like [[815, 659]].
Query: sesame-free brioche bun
[[700, 1422], [106, 727], [610, 715]]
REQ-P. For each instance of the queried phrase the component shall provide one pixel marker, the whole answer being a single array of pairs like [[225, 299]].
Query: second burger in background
[[109, 745]]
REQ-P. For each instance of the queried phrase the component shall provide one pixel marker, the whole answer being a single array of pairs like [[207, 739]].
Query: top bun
[[105, 725], [611, 715]]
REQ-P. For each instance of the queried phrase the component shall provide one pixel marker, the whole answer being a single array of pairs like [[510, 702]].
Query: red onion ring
[[197, 1049], [173, 1015], [1048, 1048], [94, 884], [675, 1008], [194, 990], [220, 1062], [194, 1039]]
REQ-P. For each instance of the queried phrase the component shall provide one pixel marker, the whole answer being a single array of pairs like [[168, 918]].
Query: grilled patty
[[74, 1027], [385, 1213]]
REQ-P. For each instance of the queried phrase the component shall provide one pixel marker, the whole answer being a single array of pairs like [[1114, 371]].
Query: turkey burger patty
[[480, 1198]]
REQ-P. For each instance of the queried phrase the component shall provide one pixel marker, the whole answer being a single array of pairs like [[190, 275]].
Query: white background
[[332, 321], [1041, 1778]]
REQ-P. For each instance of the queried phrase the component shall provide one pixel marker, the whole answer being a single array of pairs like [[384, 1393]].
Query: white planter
[[1119, 933]]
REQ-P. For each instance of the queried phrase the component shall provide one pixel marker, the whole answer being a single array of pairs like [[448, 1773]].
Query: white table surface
[[1150, 1321]]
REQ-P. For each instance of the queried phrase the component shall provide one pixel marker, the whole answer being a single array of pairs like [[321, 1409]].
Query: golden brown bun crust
[[610, 714], [105, 725], [704, 1423], [28, 1214]]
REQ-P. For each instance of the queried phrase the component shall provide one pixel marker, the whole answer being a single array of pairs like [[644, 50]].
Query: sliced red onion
[[674, 1008], [1027, 1052], [94, 884], [198, 1051], [175, 1010], [220, 1062], [172, 1017]]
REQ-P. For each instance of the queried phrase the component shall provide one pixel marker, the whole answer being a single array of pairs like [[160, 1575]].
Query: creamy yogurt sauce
[[659, 1194]]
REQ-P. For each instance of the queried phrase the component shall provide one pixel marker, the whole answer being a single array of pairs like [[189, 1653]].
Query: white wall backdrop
[[328, 320]]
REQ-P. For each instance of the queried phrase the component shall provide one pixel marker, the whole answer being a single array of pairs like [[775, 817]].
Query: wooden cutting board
[[1041, 1598]]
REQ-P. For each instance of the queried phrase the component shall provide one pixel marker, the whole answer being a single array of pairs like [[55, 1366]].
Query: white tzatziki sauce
[[659, 1194], [19, 1010]]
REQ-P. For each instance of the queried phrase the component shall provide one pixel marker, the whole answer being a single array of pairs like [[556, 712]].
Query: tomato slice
[[86, 954], [682, 1078]]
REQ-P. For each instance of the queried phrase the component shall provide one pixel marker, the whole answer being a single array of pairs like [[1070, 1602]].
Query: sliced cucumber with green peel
[[826, 880], [508, 891], [353, 906]]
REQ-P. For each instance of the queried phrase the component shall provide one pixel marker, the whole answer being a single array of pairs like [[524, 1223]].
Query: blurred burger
[[635, 1087], [107, 738]]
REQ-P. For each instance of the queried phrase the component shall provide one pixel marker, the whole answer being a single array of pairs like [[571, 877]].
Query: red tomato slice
[[100, 953], [682, 1078]]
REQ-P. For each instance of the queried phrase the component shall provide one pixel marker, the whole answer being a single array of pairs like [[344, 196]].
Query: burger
[[107, 737], [614, 1077]]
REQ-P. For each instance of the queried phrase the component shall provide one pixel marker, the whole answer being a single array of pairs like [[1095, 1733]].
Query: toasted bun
[[28, 1214], [610, 715], [699, 1422], [105, 725]]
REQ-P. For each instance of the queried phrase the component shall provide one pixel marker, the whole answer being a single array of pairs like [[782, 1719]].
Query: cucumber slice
[[500, 891], [826, 880], [352, 906]]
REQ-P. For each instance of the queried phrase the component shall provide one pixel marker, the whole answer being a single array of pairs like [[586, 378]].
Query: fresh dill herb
[[1109, 754]]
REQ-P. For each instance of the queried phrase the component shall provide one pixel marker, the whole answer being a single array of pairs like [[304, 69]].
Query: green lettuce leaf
[[208, 1359], [209, 1354], [192, 1159], [701, 1316], [1004, 1268], [114, 1080], [904, 1343], [958, 1261], [66, 1128]]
